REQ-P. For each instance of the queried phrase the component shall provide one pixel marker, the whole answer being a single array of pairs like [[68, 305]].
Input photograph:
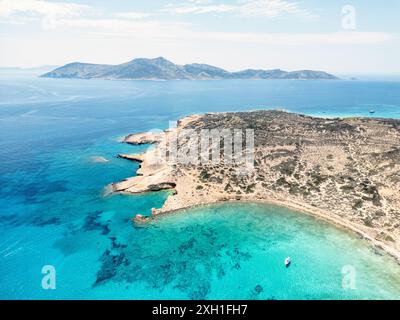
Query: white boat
[[371, 111], [287, 262]]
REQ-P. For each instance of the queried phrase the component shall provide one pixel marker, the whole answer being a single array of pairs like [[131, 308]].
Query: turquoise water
[[54, 210]]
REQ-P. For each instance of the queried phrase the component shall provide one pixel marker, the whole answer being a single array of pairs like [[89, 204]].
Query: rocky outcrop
[[162, 186], [160, 180], [140, 219], [132, 157], [154, 174], [143, 138]]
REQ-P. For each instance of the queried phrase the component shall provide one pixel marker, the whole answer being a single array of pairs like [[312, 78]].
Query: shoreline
[[181, 199], [317, 214]]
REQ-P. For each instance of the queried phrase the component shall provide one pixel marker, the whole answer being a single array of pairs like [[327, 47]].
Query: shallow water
[[58, 141]]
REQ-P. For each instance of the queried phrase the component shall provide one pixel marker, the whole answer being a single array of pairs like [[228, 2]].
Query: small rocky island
[[345, 171]]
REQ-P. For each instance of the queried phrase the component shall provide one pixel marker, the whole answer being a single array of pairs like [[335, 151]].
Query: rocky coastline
[[345, 171]]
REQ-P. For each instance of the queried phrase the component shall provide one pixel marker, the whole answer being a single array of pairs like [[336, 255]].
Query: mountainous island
[[163, 69], [345, 171]]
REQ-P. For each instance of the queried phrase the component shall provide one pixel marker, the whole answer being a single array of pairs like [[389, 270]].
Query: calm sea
[[58, 142]]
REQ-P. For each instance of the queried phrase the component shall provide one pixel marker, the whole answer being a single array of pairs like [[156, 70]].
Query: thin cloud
[[136, 25], [130, 29], [251, 8], [10, 8], [199, 9], [296, 39], [176, 31], [134, 15]]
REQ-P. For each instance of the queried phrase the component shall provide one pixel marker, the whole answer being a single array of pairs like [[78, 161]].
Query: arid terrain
[[346, 171]]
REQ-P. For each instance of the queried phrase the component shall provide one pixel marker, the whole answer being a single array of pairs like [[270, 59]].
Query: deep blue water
[[53, 210]]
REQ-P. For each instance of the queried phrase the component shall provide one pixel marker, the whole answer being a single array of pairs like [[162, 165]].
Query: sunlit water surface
[[58, 141]]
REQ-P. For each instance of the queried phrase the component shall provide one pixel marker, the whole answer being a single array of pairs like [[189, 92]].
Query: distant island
[[163, 69]]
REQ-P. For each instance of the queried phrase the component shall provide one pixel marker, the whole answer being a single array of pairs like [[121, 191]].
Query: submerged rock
[[99, 159], [92, 222], [258, 289], [110, 263]]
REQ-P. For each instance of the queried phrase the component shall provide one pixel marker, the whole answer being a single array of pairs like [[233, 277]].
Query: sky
[[342, 37]]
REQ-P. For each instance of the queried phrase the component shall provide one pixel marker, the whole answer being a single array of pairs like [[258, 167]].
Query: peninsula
[[345, 171], [163, 69]]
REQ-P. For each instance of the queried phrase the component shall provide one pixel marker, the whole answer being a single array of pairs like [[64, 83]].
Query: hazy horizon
[[360, 76], [361, 37]]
